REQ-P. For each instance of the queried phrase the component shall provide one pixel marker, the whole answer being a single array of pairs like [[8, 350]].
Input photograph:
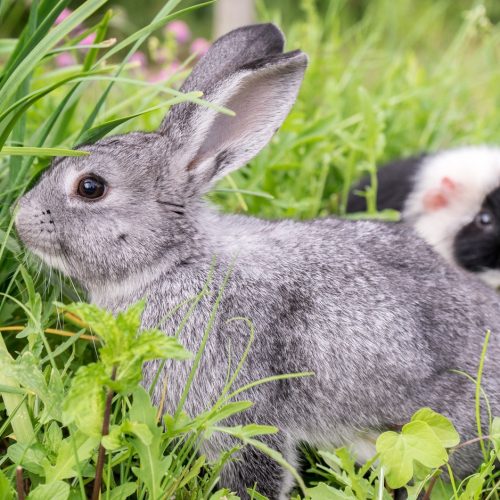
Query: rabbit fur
[[378, 317]]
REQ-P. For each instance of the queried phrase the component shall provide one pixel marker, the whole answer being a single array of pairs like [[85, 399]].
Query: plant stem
[[19, 483], [432, 483], [102, 451]]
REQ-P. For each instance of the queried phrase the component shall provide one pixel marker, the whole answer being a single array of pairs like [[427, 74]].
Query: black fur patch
[[395, 183], [477, 246]]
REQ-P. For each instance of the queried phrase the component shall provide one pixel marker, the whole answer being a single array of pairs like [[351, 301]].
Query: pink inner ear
[[434, 200], [448, 184]]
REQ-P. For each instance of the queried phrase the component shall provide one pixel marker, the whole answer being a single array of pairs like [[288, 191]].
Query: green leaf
[[440, 425], [180, 424], [474, 488], [495, 434], [66, 462], [225, 494], [100, 131], [152, 465], [57, 490], [194, 471], [417, 441], [252, 430], [52, 437], [115, 440], [129, 321], [227, 410], [26, 65], [84, 403], [324, 492], [26, 372], [123, 491], [30, 458], [7, 45], [138, 429], [32, 151], [99, 320], [6, 492]]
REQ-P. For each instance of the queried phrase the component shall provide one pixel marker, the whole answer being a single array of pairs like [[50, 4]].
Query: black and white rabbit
[[365, 306], [452, 198]]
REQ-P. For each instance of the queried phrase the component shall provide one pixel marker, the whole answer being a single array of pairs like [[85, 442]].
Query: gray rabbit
[[369, 308]]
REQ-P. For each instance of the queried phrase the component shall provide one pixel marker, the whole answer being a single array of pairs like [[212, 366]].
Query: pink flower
[[89, 39], [158, 76], [63, 15], [200, 46], [180, 30], [163, 74], [64, 59], [139, 58]]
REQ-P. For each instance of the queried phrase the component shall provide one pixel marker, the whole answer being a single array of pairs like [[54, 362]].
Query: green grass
[[386, 79]]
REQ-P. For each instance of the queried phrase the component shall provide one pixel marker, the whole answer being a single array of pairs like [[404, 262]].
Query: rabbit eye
[[91, 188], [484, 219]]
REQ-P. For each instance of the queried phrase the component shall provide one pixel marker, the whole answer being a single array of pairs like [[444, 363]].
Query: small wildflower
[[89, 39], [200, 46], [180, 30], [64, 59], [163, 74], [63, 15], [139, 58]]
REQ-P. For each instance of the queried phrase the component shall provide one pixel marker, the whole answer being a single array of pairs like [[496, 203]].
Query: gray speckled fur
[[368, 307]]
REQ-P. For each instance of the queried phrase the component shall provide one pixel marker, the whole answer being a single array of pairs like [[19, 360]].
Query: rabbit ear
[[231, 51], [207, 144]]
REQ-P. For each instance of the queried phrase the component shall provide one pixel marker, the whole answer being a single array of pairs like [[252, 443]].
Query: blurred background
[[223, 15], [386, 79]]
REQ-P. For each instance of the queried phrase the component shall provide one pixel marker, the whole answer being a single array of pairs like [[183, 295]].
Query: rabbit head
[[133, 201]]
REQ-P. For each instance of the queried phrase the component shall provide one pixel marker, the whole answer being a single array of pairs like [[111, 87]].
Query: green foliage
[[424, 439]]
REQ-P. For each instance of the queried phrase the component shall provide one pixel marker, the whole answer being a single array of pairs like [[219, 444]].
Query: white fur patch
[[475, 171]]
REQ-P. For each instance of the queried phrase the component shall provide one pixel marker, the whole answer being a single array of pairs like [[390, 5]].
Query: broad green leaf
[[394, 457], [123, 491], [57, 490], [152, 465], [52, 437], [65, 465], [115, 439], [130, 320], [30, 458], [32, 151], [6, 492], [397, 451], [99, 320], [26, 372], [324, 492], [474, 488], [179, 424], [84, 403], [440, 425]]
